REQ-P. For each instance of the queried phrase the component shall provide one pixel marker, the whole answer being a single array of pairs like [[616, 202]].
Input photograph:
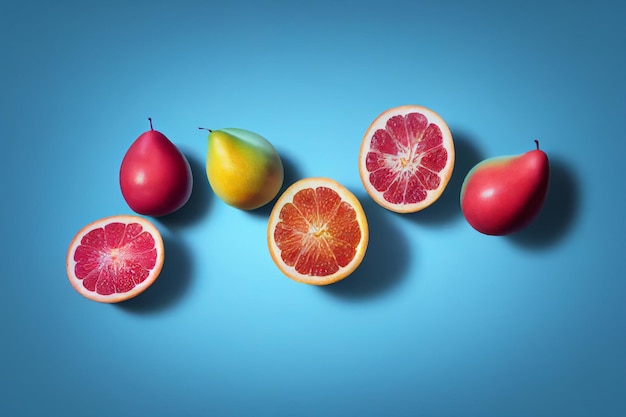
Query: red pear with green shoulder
[[505, 194]]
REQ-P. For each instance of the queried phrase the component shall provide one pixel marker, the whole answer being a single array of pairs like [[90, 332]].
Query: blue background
[[439, 320]]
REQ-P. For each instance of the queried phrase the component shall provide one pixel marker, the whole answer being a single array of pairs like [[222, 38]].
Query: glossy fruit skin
[[503, 195], [243, 168], [155, 176]]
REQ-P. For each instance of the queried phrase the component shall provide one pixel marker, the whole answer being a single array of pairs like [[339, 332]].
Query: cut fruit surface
[[317, 232], [406, 158], [115, 258]]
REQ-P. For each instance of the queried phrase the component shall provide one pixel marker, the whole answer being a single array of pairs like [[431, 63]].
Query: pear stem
[[204, 128], [150, 119], [537, 142]]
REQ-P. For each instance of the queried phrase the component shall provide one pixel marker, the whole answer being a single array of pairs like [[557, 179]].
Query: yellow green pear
[[244, 169]]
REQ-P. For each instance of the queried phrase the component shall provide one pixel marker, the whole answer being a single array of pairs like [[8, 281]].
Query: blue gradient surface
[[439, 320]]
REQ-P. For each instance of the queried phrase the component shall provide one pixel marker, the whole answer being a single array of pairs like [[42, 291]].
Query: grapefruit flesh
[[115, 258], [406, 158], [317, 232]]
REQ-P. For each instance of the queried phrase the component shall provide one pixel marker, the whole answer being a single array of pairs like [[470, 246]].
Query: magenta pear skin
[[155, 176], [503, 195]]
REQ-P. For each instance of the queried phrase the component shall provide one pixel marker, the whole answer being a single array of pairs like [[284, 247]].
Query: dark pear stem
[[204, 128], [537, 142], [150, 119]]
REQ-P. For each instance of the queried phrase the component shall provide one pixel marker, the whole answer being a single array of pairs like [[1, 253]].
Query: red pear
[[505, 194], [155, 176]]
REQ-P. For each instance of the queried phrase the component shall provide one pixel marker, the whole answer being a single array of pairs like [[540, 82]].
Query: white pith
[[316, 231], [407, 161], [115, 257]]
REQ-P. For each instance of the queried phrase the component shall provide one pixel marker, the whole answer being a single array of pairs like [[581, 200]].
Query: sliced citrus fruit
[[406, 158], [115, 258], [317, 232]]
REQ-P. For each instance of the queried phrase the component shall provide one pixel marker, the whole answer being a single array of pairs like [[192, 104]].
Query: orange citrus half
[[406, 158], [317, 232], [115, 258]]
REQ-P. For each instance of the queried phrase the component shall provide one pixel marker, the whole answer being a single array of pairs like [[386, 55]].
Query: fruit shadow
[[559, 212], [292, 174], [171, 284], [385, 262], [448, 207], [197, 207]]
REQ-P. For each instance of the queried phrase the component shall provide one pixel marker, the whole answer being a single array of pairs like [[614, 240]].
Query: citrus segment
[[317, 232], [406, 158], [115, 258]]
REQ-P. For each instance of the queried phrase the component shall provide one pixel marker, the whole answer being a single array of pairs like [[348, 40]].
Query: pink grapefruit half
[[115, 258], [406, 158]]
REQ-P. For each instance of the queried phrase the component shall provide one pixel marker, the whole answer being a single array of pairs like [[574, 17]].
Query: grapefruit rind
[[346, 196], [70, 262], [445, 174]]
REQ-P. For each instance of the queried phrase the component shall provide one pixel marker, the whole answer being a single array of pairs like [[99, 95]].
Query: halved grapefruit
[[317, 232], [406, 158], [115, 258]]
